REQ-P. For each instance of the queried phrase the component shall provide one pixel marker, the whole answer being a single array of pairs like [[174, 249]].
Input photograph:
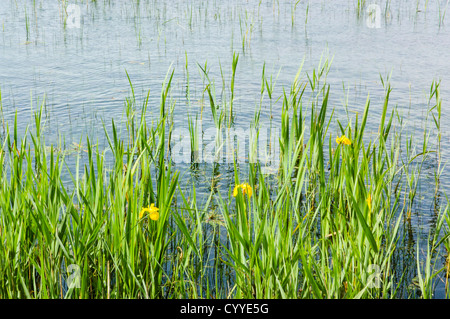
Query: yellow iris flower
[[369, 202], [152, 211], [246, 189], [343, 140]]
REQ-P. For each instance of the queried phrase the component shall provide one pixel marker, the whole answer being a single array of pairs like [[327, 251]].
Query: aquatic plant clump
[[327, 224]]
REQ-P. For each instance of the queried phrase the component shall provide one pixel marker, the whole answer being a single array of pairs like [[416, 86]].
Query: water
[[81, 70]]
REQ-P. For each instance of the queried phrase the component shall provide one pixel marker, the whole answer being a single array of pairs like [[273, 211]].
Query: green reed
[[326, 225]]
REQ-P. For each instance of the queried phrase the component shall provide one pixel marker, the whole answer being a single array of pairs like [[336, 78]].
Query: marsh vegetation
[[207, 181]]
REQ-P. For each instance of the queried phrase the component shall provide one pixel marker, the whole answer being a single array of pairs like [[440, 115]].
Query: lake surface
[[81, 65]]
